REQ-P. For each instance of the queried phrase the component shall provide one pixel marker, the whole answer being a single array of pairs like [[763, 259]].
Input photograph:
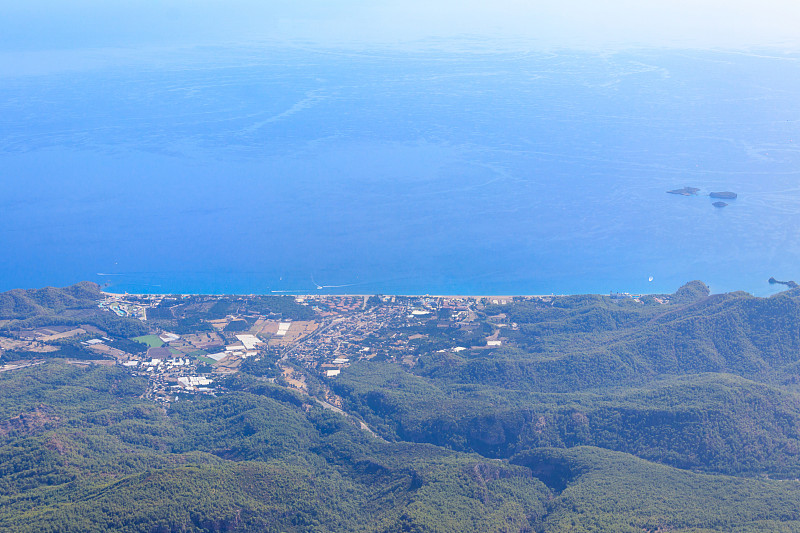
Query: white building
[[250, 342], [192, 382]]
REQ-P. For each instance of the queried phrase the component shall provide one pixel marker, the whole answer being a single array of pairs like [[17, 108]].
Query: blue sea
[[289, 169]]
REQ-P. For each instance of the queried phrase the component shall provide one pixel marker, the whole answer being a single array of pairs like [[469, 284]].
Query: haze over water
[[457, 167]]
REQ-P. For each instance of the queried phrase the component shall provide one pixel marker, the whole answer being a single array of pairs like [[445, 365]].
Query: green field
[[151, 340], [207, 360]]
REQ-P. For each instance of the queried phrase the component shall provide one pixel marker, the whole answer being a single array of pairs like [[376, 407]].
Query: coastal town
[[193, 342], [338, 331]]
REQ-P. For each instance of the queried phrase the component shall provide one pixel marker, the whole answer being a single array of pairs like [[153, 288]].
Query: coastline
[[775, 289], [756, 284], [360, 295]]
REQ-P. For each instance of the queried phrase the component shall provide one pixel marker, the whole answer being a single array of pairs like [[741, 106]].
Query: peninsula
[[790, 284]]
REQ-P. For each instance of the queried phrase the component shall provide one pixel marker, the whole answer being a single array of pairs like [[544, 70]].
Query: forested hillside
[[706, 383], [79, 451], [68, 306], [662, 413], [20, 304]]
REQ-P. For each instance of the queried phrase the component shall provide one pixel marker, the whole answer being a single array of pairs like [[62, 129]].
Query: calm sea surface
[[253, 170]]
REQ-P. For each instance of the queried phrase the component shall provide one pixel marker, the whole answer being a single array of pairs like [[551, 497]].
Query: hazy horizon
[[47, 25]]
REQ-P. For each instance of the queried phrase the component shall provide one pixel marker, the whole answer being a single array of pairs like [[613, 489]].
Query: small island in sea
[[692, 191], [790, 284], [726, 195], [686, 191]]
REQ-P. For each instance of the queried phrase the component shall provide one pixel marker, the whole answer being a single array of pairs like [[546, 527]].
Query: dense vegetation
[[68, 306], [80, 451], [21, 304], [671, 413], [706, 383]]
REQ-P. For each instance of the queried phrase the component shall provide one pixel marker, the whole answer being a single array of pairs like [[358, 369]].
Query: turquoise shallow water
[[258, 170]]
